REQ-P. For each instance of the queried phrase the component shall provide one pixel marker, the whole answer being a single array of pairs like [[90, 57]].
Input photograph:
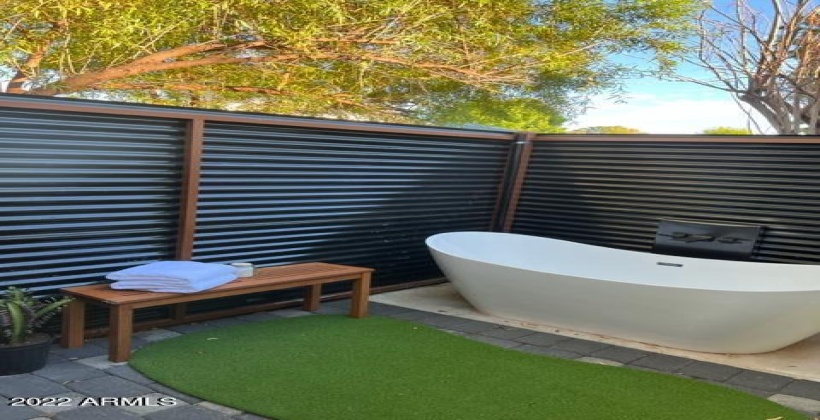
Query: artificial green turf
[[334, 368]]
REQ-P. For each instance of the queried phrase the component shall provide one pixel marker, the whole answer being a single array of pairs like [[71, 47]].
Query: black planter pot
[[26, 357]]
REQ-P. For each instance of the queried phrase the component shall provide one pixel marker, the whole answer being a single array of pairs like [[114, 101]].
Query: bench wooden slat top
[[122, 303], [263, 277]]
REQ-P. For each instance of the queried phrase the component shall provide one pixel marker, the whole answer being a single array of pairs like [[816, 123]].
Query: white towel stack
[[173, 276]]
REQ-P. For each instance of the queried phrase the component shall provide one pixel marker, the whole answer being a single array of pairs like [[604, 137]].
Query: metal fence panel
[[276, 195], [613, 193], [84, 194]]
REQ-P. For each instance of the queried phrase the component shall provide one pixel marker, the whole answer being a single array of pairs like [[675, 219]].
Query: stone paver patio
[[84, 376]]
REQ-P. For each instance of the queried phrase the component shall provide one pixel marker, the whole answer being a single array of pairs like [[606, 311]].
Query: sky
[[662, 107]]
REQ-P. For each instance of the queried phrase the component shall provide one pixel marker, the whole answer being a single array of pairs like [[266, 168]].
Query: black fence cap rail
[[47, 103]]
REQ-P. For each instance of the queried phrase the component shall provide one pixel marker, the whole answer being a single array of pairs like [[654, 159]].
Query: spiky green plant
[[21, 314]]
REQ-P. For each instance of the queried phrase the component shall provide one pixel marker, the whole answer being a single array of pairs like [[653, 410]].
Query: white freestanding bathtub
[[688, 303]]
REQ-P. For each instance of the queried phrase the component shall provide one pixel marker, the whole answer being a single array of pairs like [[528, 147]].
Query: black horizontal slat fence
[[275, 195], [84, 194], [88, 187], [613, 193]]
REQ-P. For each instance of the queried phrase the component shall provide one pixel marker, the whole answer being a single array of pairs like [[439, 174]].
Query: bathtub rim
[[809, 269]]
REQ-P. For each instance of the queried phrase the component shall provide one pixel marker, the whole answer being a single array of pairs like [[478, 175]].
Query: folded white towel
[[173, 287], [173, 276]]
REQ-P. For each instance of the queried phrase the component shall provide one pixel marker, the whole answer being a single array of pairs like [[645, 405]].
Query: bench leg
[[313, 295], [73, 332], [361, 293], [119, 333], [179, 311]]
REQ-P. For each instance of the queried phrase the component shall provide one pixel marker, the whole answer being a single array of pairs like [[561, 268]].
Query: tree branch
[[224, 54], [193, 87], [764, 65]]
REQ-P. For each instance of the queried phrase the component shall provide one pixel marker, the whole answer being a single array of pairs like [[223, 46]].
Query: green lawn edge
[[337, 368]]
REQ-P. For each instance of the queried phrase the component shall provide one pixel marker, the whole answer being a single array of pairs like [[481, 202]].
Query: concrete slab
[[801, 360], [811, 407]]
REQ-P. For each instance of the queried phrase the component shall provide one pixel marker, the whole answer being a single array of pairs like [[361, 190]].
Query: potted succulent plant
[[22, 347]]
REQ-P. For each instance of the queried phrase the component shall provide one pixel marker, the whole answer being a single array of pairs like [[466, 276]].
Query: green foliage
[[607, 129], [21, 314], [730, 131], [519, 114], [391, 60]]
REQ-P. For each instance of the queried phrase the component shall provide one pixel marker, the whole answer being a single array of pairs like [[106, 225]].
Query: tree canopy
[[390, 60], [767, 55], [726, 131], [607, 129]]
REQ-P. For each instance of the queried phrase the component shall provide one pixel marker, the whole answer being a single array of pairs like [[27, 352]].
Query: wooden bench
[[122, 303]]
